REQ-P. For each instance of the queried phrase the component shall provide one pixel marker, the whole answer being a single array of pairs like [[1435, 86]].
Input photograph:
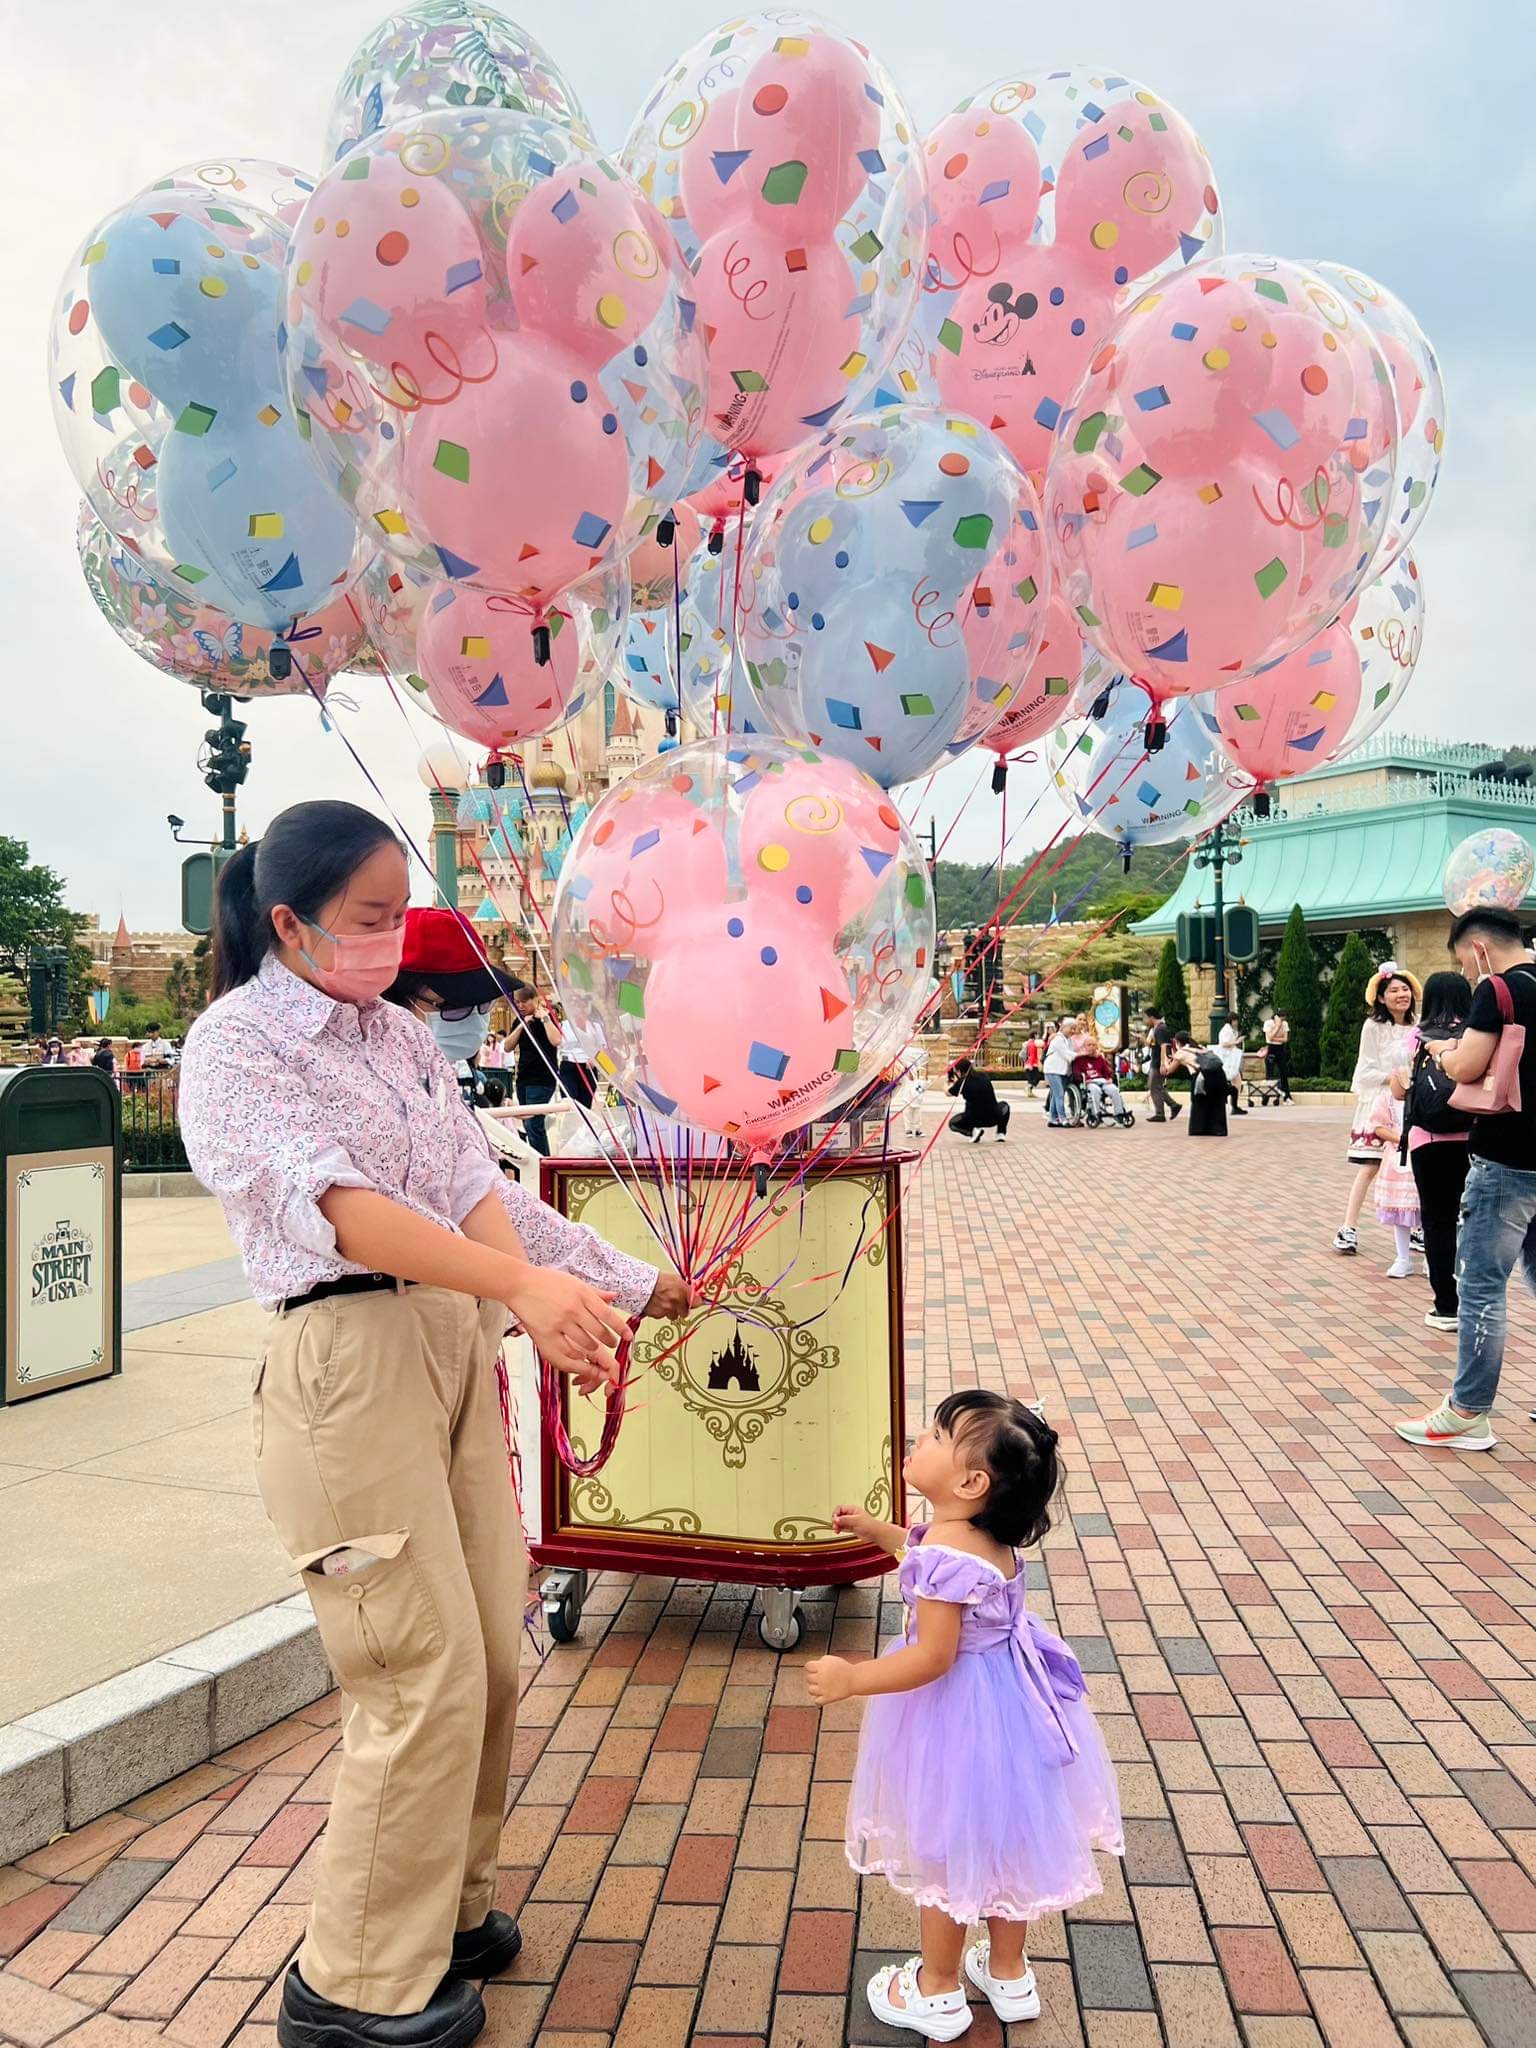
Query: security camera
[[173, 821]]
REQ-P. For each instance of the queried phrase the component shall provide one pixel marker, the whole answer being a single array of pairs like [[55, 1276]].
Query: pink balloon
[[370, 258], [1297, 715], [629, 883], [788, 140], [1049, 690], [720, 500], [653, 569], [585, 265], [780, 334], [1206, 499], [707, 1056], [474, 652], [820, 853], [515, 479]]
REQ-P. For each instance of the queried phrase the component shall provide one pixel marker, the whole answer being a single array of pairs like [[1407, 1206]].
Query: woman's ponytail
[[239, 942]]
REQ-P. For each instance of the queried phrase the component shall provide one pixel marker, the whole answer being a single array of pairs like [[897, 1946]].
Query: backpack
[[1427, 1104]]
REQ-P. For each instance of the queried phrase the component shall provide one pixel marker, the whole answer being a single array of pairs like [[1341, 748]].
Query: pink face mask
[[364, 963]]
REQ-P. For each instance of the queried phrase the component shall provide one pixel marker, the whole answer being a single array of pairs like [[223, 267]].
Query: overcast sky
[[1390, 137]]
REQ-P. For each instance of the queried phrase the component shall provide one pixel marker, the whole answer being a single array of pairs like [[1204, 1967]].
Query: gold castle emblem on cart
[[738, 1376]]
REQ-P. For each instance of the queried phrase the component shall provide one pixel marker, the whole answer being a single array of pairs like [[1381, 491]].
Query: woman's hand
[[573, 1326], [671, 1298], [829, 1679]]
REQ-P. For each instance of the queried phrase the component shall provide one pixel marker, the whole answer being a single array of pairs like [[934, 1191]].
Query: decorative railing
[[1310, 800]]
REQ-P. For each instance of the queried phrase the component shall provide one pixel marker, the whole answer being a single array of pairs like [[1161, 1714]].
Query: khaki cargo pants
[[377, 1429]]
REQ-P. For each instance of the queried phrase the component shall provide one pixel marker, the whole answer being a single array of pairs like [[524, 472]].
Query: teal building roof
[[1362, 840]]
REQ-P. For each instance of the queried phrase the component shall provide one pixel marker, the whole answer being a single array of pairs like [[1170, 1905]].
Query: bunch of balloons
[[842, 449], [1491, 869]]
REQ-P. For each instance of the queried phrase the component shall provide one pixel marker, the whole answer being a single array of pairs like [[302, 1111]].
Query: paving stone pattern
[[1312, 1649]]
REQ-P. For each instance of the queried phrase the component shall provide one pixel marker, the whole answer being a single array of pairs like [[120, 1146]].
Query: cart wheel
[[783, 1636], [565, 1619]]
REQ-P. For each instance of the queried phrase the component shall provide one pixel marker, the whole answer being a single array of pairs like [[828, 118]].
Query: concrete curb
[[64, 1765], [136, 1186]]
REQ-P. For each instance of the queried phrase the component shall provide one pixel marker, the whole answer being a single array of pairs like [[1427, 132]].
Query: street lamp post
[[1220, 849]]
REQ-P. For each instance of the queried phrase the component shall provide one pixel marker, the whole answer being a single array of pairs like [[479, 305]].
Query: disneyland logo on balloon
[[63, 1262]]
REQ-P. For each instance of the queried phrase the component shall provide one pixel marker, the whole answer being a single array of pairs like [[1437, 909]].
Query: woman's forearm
[[373, 1231], [903, 1671]]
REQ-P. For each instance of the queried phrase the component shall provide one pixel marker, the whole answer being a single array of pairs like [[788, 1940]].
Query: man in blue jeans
[[1498, 1211]]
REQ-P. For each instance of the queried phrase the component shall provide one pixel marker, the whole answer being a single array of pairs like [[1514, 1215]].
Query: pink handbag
[[1498, 1091]]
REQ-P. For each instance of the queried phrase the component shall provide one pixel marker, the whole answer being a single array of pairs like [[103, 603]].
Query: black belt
[[349, 1283]]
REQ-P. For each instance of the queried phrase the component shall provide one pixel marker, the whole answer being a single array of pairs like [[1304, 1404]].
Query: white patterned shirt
[[285, 1092]]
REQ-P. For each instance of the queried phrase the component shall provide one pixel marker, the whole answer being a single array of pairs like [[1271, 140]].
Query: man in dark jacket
[[980, 1110]]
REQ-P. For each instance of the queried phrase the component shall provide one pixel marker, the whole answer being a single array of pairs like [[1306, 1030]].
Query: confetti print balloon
[[199, 644], [647, 673], [469, 653], [894, 591], [1052, 199], [1065, 679], [493, 338], [1220, 486], [1420, 396], [441, 55], [1491, 868], [746, 932], [1386, 632], [1296, 715], [1106, 777], [714, 689], [786, 164], [168, 396]]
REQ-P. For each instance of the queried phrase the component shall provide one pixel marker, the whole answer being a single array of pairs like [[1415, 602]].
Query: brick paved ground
[[1313, 1650]]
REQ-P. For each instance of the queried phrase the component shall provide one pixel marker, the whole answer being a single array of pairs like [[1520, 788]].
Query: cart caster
[[564, 1594], [781, 1624]]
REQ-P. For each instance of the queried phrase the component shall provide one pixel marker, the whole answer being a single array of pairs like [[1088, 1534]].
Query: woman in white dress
[[1229, 1045], [1392, 997]]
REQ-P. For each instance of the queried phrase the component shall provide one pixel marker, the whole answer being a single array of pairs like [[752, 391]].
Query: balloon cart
[[746, 1425]]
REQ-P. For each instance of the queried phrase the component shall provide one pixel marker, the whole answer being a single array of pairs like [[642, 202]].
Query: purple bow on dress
[[1051, 1674]]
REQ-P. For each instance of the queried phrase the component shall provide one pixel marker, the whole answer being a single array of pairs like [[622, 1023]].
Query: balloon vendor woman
[[982, 1786], [375, 1225]]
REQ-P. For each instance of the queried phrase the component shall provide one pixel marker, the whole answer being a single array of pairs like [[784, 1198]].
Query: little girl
[[983, 1785], [1397, 1192]]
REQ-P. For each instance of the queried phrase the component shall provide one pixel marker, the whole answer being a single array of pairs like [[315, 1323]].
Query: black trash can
[[61, 1213]]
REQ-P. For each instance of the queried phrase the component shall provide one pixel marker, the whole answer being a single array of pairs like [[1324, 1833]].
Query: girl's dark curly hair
[[1016, 1448]]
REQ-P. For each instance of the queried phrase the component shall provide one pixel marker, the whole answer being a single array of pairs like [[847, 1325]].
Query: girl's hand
[[856, 1522], [573, 1326], [828, 1679]]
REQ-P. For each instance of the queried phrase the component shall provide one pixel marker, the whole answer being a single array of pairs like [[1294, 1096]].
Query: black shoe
[[1157, 1119], [452, 2018], [1175, 1111], [486, 1950]]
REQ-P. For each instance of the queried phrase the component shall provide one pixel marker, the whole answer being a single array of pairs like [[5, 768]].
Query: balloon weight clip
[[280, 662], [999, 777], [1262, 805], [752, 486], [1156, 736], [1126, 850], [495, 773], [716, 542], [666, 531], [1101, 705], [671, 725], [541, 646]]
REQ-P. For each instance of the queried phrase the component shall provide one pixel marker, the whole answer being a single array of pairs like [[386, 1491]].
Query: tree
[[181, 991], [33, 915], [1346, 1010], [1170, 998], [1299, 993]]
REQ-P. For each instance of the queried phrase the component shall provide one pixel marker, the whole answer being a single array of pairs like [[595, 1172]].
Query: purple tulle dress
[[986, 1792]]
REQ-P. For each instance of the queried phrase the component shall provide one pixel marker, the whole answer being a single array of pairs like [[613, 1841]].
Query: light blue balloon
[[253, 524], [1104, 773], [647, 672], [197, 329]]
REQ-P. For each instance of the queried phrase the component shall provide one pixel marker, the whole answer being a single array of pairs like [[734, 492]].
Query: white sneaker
[[944, 2018], [1346, 1240], [1444, 1429], [1433, 1320], [1011, 1998], [1400, 1269], [1002, 1137]]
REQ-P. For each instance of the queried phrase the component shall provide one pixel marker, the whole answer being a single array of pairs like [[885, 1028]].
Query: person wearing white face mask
[[1498, 1210], [373, 1221]]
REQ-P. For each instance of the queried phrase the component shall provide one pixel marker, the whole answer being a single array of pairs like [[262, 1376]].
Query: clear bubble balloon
[[715, 690], [647, 672], [494, 340], [201, 645], [1053, 199], [1220, 487], [1491, 868], [746, 932], [1065, 679], [442, 55], [1419, 391], [894, 591], [168, 395], [469, 654], [786, 163], [1109, 780], [1386, 631]]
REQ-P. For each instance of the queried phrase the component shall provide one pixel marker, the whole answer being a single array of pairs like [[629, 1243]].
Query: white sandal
[[1011, 1998], [944, 2018]]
